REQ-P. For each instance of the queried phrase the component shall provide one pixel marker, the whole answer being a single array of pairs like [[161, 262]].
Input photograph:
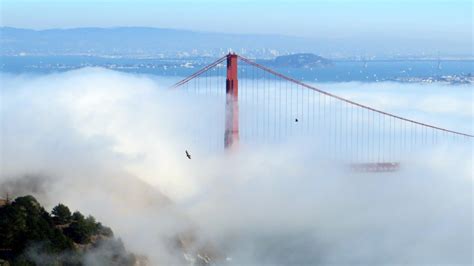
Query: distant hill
[[305, 60], [141, 41]]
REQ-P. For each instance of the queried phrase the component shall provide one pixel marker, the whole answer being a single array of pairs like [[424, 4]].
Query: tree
[[80, 229], [62, 214], [77, 216], [104, 230], [92, 225], [25, 224]]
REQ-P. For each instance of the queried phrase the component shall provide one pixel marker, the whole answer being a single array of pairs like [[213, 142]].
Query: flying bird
[[296, 120], [188, 155]]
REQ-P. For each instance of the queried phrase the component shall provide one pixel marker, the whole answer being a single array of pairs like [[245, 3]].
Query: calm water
[[340, 71]]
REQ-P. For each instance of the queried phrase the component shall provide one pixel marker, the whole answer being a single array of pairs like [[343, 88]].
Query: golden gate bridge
[[254, 104]]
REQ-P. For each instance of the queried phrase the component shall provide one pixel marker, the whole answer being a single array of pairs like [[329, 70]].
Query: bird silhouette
[[188, 155], [296, 120]]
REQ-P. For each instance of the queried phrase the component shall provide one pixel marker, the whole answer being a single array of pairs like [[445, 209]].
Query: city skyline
[[416, 26]]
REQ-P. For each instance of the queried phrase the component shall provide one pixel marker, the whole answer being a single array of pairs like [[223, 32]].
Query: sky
[[419, 22]]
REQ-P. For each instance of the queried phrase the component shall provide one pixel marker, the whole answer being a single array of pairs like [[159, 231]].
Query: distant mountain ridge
[[141, 41], [149, 42]]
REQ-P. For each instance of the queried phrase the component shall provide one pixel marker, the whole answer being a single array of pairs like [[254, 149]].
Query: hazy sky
[[421, 22]]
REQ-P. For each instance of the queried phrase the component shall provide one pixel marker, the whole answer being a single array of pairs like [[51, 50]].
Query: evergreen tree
[[25, 224], [62, 214]]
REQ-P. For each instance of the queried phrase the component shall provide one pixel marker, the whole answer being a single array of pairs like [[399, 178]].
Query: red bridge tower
[[231, 137]]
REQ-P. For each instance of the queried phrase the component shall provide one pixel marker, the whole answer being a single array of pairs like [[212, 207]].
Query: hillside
[[29, 235]]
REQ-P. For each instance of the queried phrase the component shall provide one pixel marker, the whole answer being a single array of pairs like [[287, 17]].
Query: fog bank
[[112, 145]]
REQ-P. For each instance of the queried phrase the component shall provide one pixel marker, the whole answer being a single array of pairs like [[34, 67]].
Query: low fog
[[112, 145]]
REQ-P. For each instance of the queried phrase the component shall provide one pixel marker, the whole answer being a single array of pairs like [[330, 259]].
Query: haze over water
[[100, 130]]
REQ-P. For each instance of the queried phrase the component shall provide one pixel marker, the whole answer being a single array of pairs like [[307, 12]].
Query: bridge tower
[[231, 136]]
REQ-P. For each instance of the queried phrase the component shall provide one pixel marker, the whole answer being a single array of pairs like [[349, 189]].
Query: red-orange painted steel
[[198, 73], [231, 137], [250, 62]]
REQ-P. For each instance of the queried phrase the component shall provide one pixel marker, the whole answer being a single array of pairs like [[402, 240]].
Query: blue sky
[[446, 22]]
